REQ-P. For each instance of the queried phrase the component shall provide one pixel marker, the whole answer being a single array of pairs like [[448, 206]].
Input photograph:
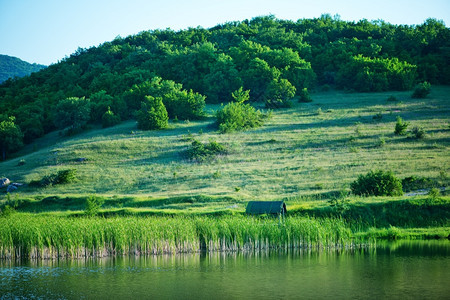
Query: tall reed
[[31, 236]]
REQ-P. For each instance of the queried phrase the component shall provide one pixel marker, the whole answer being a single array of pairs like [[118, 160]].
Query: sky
[[46, 31]]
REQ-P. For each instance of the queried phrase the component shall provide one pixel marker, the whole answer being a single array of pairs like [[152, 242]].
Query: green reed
[[31, 236]]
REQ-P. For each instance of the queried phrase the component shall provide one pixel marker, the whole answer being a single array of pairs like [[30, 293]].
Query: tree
[[257, 78], [237, 116], [153, 114], [11, 137], [400, 126], [304, 96], [240, 95], [110, 119], [73, 112], [279, 94]]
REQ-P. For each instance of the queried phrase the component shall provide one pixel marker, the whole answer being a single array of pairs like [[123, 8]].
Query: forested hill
[[11, 67], [269, 57]]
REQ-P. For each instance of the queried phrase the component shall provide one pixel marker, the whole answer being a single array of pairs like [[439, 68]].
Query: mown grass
[[299, 151]]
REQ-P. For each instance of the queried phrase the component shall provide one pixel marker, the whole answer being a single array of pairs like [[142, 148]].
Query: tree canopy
[[274, 59]]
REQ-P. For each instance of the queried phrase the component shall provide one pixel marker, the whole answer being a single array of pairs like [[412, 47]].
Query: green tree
[[110, 119], [73, 112], [11, 137], [304, 96], [240, 95], [153, 114], [257, 78], [237, 116], [400, 126], [279, 94]]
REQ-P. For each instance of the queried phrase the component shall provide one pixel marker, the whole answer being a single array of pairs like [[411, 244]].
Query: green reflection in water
[[404, 269]]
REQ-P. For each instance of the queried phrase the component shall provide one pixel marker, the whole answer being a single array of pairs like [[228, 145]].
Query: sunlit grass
[[31, 236], [296, 152]]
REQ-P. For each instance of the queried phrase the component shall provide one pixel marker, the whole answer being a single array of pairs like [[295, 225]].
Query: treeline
[[274, 59], [11, 67]]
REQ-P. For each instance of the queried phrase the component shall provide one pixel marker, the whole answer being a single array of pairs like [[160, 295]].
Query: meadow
[[311, 148], [157, 200]]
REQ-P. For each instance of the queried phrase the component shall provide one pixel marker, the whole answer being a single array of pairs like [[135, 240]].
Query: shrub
[[153, 114], [110, 119], [279, 94], [413, 183], [418, 132], [236, 116], [65, 176], [421, 90], [93, 205], [202, 152], [304, 96], [400, 126], [392, 99], [381, 142], [378, 117], [184, 105], [377, 183], [62, 177]]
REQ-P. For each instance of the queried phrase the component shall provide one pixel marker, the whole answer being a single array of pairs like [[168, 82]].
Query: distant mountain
[[15, 67]]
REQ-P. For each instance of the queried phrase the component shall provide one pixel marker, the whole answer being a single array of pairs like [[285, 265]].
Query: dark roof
[[265, 207]]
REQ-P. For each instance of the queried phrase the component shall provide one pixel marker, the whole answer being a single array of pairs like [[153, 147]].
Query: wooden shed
[[266, 207]]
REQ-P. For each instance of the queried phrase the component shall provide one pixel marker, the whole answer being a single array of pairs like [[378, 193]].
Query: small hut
[[266, 207]]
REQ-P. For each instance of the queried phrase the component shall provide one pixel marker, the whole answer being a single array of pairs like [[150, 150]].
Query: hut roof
[[266, 207]]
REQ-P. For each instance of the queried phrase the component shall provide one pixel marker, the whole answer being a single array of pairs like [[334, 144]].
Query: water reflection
[[411, 269]]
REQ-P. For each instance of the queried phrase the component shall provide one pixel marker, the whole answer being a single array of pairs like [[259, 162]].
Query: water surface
[[399, 270]]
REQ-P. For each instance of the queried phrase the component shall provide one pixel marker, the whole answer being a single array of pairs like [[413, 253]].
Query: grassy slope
[[298, 153]]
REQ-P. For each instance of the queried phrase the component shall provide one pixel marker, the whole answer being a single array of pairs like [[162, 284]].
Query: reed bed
[[26, 236]]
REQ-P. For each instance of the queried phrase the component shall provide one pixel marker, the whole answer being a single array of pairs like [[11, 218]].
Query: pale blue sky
[[45, 31]]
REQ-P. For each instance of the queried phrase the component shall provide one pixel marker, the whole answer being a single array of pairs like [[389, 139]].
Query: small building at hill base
[[266, 207]]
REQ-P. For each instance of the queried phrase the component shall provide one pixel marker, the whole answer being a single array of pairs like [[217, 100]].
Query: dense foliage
[[153, 114], [11, 67], [377, 183], [274, 59]]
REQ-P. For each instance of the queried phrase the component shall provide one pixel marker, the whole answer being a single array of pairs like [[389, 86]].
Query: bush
[[304, 96], [93, 205], [236, 116], [65, 176], [422, 90], [279, 94], [413, 183], [418, 132], [400, 126], [184, 105], [110, 119], [378, 117], [392, 99], [377, 183], [202, 152], [62, 177], [153, 114]]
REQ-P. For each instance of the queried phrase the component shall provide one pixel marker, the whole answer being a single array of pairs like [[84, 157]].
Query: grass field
[[309, 149]]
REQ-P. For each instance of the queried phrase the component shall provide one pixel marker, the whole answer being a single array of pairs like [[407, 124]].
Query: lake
[[393, 270]]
